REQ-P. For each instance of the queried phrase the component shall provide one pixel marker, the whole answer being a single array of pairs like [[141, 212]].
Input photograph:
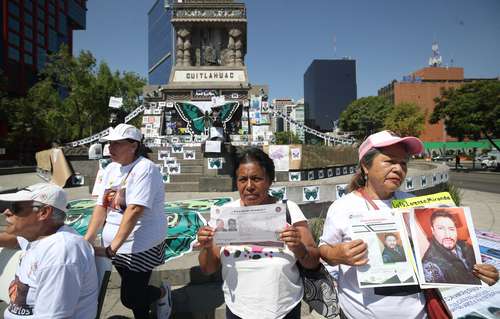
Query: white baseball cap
[[123, 132], [45, 193]]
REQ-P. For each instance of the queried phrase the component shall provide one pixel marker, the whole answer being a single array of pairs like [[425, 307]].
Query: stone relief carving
[[209, 13], [234, 55], [183, 48]]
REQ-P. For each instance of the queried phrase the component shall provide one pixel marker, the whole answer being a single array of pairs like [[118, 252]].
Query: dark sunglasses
[[16, 208]]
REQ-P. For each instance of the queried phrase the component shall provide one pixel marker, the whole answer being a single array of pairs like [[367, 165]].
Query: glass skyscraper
[[32, 29], [160, 43], [329, 87]]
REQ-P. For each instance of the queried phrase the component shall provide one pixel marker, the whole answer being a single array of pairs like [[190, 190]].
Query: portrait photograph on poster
[[389, 252], [446, 247]]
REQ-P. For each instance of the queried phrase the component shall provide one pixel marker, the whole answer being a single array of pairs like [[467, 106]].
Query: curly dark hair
[[442, 213], [257, 156]]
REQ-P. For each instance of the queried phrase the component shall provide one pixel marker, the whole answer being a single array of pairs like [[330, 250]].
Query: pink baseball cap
[[387, 138]]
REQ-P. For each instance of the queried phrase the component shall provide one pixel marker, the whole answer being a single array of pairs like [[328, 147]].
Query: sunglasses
[[16, 208]]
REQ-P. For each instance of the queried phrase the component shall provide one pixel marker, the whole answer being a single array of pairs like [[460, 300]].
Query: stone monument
[[208, 84]]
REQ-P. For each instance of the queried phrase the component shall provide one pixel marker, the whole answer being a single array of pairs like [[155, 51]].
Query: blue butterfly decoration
[[197, 120]]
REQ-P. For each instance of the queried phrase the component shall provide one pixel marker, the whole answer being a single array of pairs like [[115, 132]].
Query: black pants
[[136, 293], [293, 314]]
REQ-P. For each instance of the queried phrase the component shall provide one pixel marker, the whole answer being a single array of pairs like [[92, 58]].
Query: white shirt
[[56, 278], [144, 187], [261, 282], [356, 302]]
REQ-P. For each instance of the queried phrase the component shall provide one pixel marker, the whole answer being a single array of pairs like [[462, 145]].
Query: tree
[[405, 119], [86, 89], [69, 102], [365, 116], [471, 111], [284, 138]]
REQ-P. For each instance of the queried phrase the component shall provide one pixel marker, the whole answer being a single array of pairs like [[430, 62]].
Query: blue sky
[[387, 38]]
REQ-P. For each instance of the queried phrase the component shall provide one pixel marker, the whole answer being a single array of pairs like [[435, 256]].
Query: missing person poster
[[248, 224], [481, 302], [446, 247], [388, 249]]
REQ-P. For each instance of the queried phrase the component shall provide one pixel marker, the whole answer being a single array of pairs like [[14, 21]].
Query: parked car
[[493, 161], [443, 158], [481, 158]]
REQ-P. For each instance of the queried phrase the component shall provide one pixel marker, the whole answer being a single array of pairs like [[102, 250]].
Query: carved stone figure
[[183, 48], [210, 56], [235, 44]]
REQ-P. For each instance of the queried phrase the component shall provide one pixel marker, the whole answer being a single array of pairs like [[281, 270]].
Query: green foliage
[[284, 138], [455, 192], [71, 99], [471, 111], [365, 116], [405, 119]]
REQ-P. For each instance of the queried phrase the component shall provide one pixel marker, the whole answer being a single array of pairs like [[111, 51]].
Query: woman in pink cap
[[383, 159]]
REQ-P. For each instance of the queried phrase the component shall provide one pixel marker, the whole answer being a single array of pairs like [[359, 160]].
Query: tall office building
[[422, 87], [329, 87], [160, 43], [32, 29], [298, 116]]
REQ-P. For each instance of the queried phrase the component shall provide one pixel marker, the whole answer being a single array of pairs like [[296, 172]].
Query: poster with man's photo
[[446, 247], [389, 255]]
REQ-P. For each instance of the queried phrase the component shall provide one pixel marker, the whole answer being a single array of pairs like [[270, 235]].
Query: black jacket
[[441, 265], [393, 255]]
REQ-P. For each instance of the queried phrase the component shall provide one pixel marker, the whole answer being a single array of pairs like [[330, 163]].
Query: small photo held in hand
[[391, 247]]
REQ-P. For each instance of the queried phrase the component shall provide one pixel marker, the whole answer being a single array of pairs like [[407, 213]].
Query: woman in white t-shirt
[[383, 159], [260, 281], [131, 207]]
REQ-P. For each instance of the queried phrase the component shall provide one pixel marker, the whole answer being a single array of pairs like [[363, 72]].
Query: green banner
[[184, 219]]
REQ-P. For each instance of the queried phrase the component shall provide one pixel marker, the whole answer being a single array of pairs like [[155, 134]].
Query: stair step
[[186, 177], [182, 187]]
